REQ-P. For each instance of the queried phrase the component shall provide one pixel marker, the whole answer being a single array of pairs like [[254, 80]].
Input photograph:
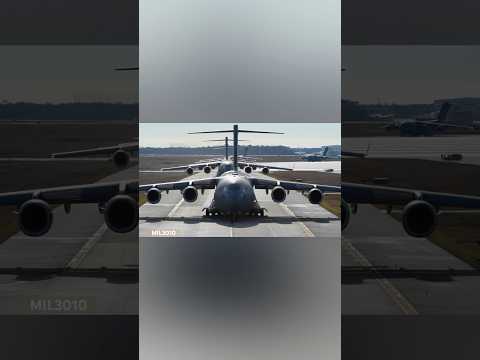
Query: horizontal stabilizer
[[231, 131]]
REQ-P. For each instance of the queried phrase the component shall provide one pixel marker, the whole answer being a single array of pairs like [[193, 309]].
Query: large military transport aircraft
[[234, 193]]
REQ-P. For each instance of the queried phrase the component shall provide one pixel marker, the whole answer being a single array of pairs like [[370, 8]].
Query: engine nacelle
[[207, 169], [154, 196], [190, 194], [248, 169], [35, 217], [121, 213], [254, 167], [279, 194], [419, 218], [121, 158], [346, 212], [315, 196], [265, 170], [189, 171]]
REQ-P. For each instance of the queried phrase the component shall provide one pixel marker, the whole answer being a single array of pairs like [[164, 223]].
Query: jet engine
[[190, 194], [189, 171], [248, 169], [265, 170], [35, 217], [254, 167], [279, 194], [346, 212], [121, 213], [121, 158], [154, 196], [315, 196], [419, 218], [207, 169]]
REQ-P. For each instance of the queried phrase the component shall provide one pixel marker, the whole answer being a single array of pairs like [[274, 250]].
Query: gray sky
[[246, 61], [68, 73], [410, 74], [296, 135]]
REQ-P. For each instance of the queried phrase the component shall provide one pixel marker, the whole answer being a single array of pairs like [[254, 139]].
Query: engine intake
[[346, 212], [121, 158], [248, 169], [279, 194], [189, 171], [121, 213], [190, 194], [35, 217], [154, 196], [315, 196], [265, 170], [419, 218], [207, 169]]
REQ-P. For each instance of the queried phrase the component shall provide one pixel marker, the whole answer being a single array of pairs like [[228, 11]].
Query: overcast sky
[[247, 61], [410, 74], [68, 73], [296, 135]]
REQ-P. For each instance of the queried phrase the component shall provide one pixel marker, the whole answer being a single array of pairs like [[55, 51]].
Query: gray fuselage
[[234, 195]]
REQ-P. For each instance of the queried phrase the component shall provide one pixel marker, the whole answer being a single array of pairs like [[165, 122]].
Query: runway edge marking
[[387, 286], [306, 230]]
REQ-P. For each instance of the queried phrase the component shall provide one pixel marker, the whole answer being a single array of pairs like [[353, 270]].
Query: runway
[[416, 147], [77, 240], [375, 238], [296, 217]]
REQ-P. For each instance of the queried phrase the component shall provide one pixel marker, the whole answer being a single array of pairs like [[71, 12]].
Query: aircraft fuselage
[[234, 195]]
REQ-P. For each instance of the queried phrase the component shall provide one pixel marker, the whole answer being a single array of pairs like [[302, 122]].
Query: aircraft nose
[[233, 198]]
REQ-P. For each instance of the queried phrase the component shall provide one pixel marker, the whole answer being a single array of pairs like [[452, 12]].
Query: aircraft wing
[[193, 166], [208, 183], [292, 185], [264, 166], [97, 151], [92, 193], [373, 194]]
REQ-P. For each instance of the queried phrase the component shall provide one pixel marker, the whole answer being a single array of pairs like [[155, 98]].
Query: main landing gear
[[213, 212]]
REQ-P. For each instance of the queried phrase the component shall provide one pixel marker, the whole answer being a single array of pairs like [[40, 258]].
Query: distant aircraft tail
[[444, 110], [226, 139], [325, 151]]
